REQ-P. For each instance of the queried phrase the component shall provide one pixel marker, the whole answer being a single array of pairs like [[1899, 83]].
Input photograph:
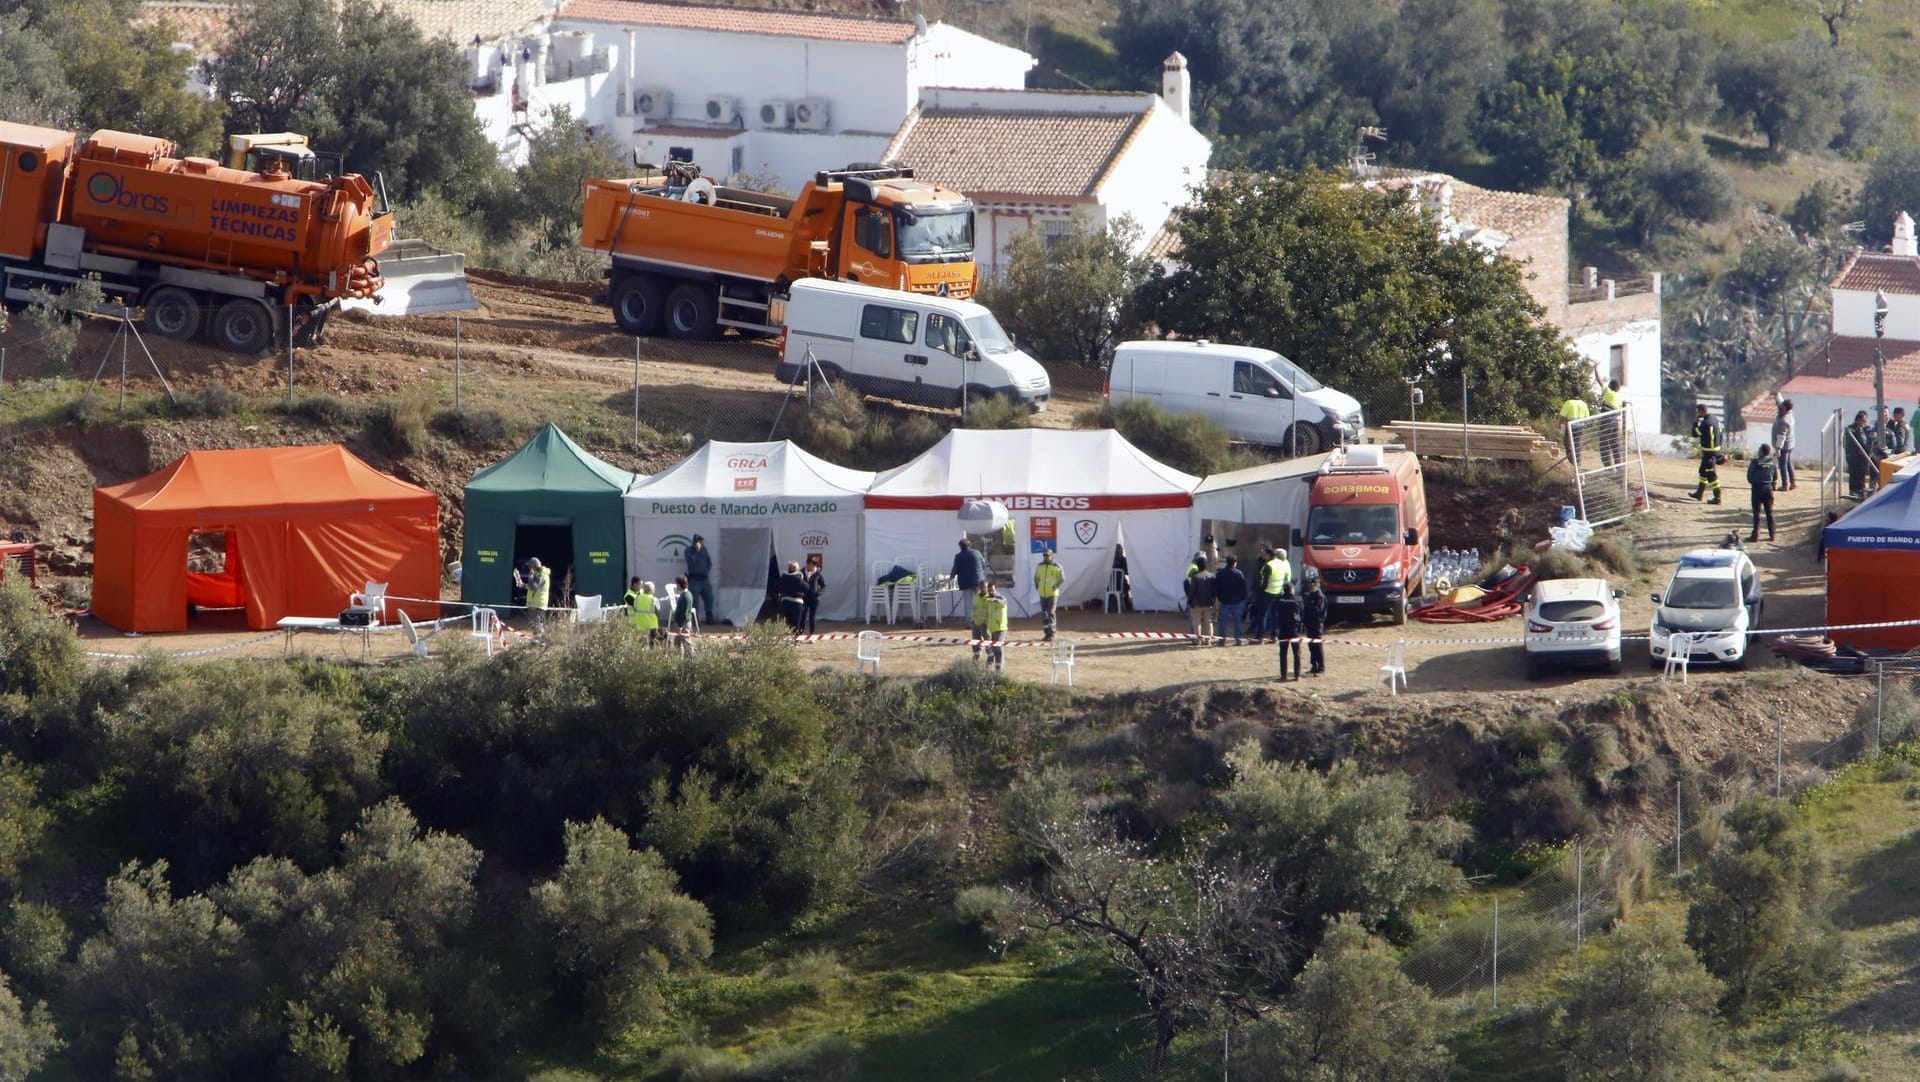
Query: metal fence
[[1610, 477]]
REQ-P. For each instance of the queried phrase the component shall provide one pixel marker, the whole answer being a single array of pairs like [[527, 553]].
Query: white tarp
[[1076, 492], [752, 501]]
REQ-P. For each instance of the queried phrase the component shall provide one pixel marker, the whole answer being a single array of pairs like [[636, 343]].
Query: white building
[[1839, 376], [780, 94], [1037, 158]]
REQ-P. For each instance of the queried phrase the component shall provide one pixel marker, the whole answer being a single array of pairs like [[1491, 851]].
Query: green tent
[[554, 501]]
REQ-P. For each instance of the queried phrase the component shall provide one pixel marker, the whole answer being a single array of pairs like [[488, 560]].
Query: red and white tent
[[1076, 492]]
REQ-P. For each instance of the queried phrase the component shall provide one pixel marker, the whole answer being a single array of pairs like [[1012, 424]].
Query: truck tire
[[172, 312], [243, 326], [637, 303], [1400, 609], [1306, 440], [691, 312]]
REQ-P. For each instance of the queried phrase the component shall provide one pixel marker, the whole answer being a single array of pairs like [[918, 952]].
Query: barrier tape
[[203, 652]]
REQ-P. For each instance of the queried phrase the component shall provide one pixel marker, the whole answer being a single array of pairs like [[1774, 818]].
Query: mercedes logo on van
[[1349, 575]]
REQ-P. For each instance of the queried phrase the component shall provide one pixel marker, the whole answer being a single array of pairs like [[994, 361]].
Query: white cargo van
[[1257, 395], [911, 346]]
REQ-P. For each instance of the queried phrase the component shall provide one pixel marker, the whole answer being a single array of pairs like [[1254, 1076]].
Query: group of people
[[644, 607], [1265, 607], [1866, 444], [1611, 437]]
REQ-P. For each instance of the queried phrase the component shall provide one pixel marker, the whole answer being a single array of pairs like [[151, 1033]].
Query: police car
[[1572, 622], [1714, 598]]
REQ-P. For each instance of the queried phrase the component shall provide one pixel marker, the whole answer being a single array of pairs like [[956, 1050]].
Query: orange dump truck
[[690, 257], [196, 245]]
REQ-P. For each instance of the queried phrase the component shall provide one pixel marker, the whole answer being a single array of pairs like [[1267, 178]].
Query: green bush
[[1616, 553], [1185, 441], [476, 430], [213, 400], [985, 909], [397, 429], [995, 412], [88, 409], [325, 410]]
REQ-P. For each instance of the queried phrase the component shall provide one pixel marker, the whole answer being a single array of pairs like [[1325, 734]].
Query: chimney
[[1903, 243], [1590, 277], [542, 47], [1176, 86]]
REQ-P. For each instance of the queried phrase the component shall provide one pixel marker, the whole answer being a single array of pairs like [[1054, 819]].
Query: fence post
[[456, 362], [289, 353], [1879, 702], [1579, 894], [636, 392], [1496, 954], [1466, 457], [1779, 756], [1679, 826], [3, 366]]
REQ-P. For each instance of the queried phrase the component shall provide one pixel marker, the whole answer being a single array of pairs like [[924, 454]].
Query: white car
[[1572, 622], [1715, 598]]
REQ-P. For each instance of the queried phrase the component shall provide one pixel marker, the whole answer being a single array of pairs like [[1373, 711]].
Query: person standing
[[816, 579], [1201, 603], [1279, 580], [979, 622], [643, 610], [1230, 590], [791, 589], [996, 629], [1899, 435], [1762, 475], [969, 567], [1313, 624], [1858, 443], [700, 577], [1121, 579], [1047, 580], [539, 582], [1573, 409], [1257, 600], [1706, 433], [1194, 567], [1284, 614], [1613, 434], [1783, 440], [680, 621]]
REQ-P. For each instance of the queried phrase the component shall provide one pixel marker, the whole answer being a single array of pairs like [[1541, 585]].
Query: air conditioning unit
[[721, 109], [776, 114], [653, 102], [810, 114]]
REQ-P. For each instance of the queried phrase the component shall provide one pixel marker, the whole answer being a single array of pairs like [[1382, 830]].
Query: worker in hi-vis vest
[[1048, 577], [1278, 576]]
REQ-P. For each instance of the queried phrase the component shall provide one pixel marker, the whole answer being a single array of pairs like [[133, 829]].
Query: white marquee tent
[[751, 501], [1078, 492]]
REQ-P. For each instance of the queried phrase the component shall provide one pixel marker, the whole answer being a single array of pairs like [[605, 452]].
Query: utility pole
[[1880, 364]]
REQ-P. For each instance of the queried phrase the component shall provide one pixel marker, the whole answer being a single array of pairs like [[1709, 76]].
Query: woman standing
[[816, 582], [791, 589], [1783, 441]]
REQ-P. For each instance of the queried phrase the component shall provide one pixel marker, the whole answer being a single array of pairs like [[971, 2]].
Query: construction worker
[[996, 614], [1284, 613], [979, 613], [1196, 565], [1762, 474], [1313, 624], [1047, 580], [1574, 409], [1613, 437], [1706, 433], [1257, 600], [643, 609], [538, 581], [1278, 579]]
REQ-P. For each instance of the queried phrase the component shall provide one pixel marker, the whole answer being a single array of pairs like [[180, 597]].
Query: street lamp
[[1879, 360]]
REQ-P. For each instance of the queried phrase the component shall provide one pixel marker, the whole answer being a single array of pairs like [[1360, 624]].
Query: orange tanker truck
[[690, 257], [198, 246]]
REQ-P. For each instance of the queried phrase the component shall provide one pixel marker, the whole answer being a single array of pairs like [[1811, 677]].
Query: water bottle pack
[[1453, 567]]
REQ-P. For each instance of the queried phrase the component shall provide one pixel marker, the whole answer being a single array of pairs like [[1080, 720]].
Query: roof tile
[[1870, 271], [1047, 155], [823, 26]]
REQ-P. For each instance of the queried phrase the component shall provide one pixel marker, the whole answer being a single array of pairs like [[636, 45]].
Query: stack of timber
[[1440, 439]]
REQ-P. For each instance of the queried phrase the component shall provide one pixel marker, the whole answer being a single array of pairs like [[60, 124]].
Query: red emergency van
[[1366, 531]]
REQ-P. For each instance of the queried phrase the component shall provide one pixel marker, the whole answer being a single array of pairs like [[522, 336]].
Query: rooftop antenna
[[1361, 162]]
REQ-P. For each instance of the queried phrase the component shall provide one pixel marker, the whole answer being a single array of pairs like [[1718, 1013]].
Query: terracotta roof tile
[[731, 20], [205, 25], [1047, 155], [1869, 271], [1513, 213]]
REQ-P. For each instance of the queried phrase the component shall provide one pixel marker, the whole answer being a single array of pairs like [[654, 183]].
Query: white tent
[[1076, 492], [1260, 504], [751, 501]]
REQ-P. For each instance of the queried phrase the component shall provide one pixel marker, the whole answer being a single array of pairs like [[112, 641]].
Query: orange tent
[[305, 526]]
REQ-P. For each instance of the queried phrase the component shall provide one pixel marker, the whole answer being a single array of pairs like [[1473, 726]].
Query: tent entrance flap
[[553, 544], [213, 570], [740, 572]]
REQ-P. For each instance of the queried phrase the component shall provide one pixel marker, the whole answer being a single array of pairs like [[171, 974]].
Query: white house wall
[[950, 56], [1156, 172], [1853, 314], [1642, 384], [593, 97]]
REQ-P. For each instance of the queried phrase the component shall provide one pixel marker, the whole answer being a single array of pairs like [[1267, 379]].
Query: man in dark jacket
[[1257, 603], [1200, 602], [1283, 615], [969, 567], [1313, 624], [1762, 474], [1230, 589], [1858, 443], [700, 577]]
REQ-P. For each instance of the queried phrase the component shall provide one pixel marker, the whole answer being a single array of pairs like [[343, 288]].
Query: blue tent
[[1873, 568], [1889, 520]]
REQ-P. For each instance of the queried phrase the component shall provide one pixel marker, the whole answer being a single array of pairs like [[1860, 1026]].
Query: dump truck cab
[[1366, 531], [905, 234], [271, 153]]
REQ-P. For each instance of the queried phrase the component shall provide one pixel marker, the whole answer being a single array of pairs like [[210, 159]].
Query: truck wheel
[[691, 310], [1306, 440], [242, 326], [1400, 609], [172, 312], [637, 303]]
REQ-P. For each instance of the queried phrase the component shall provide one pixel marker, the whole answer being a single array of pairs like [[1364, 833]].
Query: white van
[[1257, 395], [915, 347]]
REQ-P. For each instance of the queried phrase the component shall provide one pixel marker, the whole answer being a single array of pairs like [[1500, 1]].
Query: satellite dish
[[980, 517]]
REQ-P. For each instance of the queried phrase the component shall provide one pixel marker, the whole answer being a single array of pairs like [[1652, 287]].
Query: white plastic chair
[[587, 609], [1116, 599], [879, 594], [926, 594], [867, 652], [485, 625], [373, 597], [1394, 672], [1679, 656], [906, 598], [1063, 660], [414, 638]]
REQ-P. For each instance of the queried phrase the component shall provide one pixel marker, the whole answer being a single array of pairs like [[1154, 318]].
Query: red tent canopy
[[305, 526]]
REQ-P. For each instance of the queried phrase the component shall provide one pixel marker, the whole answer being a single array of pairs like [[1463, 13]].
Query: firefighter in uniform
[[1706, 432]]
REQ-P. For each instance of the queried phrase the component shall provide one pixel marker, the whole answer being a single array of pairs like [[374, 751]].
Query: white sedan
[[1572, 622], [1714, 599]]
